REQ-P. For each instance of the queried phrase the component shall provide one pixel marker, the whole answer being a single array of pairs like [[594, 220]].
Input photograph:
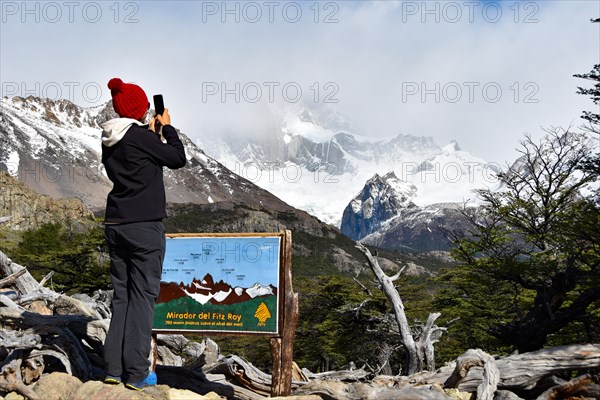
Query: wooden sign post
[[238, 283], [282, 347]]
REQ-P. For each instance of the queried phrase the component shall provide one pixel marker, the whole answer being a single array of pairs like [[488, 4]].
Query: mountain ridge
[[54, 147], [318, 163]]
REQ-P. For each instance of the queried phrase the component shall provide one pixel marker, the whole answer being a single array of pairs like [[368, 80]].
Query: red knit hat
[[129, 100]]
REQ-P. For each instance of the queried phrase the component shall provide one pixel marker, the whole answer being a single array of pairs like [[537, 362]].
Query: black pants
[[136, 253]]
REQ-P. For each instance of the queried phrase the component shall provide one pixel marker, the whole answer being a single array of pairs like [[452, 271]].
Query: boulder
[[57, 386]]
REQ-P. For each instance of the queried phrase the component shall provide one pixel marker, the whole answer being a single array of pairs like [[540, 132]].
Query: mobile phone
[[159, 105]]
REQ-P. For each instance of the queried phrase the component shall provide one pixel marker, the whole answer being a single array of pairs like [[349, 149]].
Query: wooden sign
[[221, 283], [238, 283]]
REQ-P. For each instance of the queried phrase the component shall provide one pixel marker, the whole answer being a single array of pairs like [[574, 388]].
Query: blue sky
[[482, 73], [237, 261]]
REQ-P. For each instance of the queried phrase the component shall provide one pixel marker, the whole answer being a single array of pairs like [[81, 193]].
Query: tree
[[594, 76], [592, 163], [418, 343], [537, 242], [77, 256], [340, 324]]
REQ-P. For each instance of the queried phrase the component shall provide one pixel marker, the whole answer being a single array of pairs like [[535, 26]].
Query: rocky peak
[[22, 208], [381, 199], [451, 147], [59, 112]]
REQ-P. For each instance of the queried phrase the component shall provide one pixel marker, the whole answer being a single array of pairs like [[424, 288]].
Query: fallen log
[[86, 327], [62, 339], [19, 340], [345, 375], [506, 395], [25, 283], [490, 375], [167, 357], [44, 280], [28, 340], [49, 297], [518, 373], [574, 387], [56, 354], [11, 278], [9, 303], [11, 379], [58, 329], [244, 373], [522, 372], [362, 391]]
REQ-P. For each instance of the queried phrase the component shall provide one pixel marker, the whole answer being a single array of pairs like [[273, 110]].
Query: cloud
[[424, 68]]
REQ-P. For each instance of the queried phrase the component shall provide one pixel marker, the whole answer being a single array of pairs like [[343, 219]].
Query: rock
[[306, 397], [505, 395], [66, 305], [39, 307], [202, 354], [179, 394], [382, 198], [57, 386], [96, 390], [32, 369], [213, 396], [166, 357], [14, 396], [457, 394], [28, 209], [211, 351], [345, 262]]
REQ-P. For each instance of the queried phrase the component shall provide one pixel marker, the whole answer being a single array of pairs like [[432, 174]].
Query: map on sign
[[220, 284]]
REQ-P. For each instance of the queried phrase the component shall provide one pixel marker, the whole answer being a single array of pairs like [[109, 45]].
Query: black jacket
[[133, 157]]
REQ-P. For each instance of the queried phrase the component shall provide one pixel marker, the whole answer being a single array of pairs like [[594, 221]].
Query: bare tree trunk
[[390, 290], [24, 282], [428, 337], [385, 353]]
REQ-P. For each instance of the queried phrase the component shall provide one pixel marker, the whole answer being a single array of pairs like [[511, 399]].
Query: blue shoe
[[113, 380], [149, 381]]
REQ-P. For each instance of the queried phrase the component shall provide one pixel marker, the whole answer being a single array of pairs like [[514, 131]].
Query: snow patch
[[259, 290], [200, 298], [12, 163], [221, 295], [201, 287]]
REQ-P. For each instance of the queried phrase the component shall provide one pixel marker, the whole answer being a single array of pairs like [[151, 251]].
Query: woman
[[133, 155]]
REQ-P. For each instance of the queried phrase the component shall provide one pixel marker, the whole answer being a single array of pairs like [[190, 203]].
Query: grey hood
[[113, 130]]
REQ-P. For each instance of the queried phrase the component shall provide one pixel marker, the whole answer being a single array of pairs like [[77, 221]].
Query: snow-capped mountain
[[383, 214], [420, 229], [257, 290], [382, 198], [316, 161], [311, 160], [54, 147]]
